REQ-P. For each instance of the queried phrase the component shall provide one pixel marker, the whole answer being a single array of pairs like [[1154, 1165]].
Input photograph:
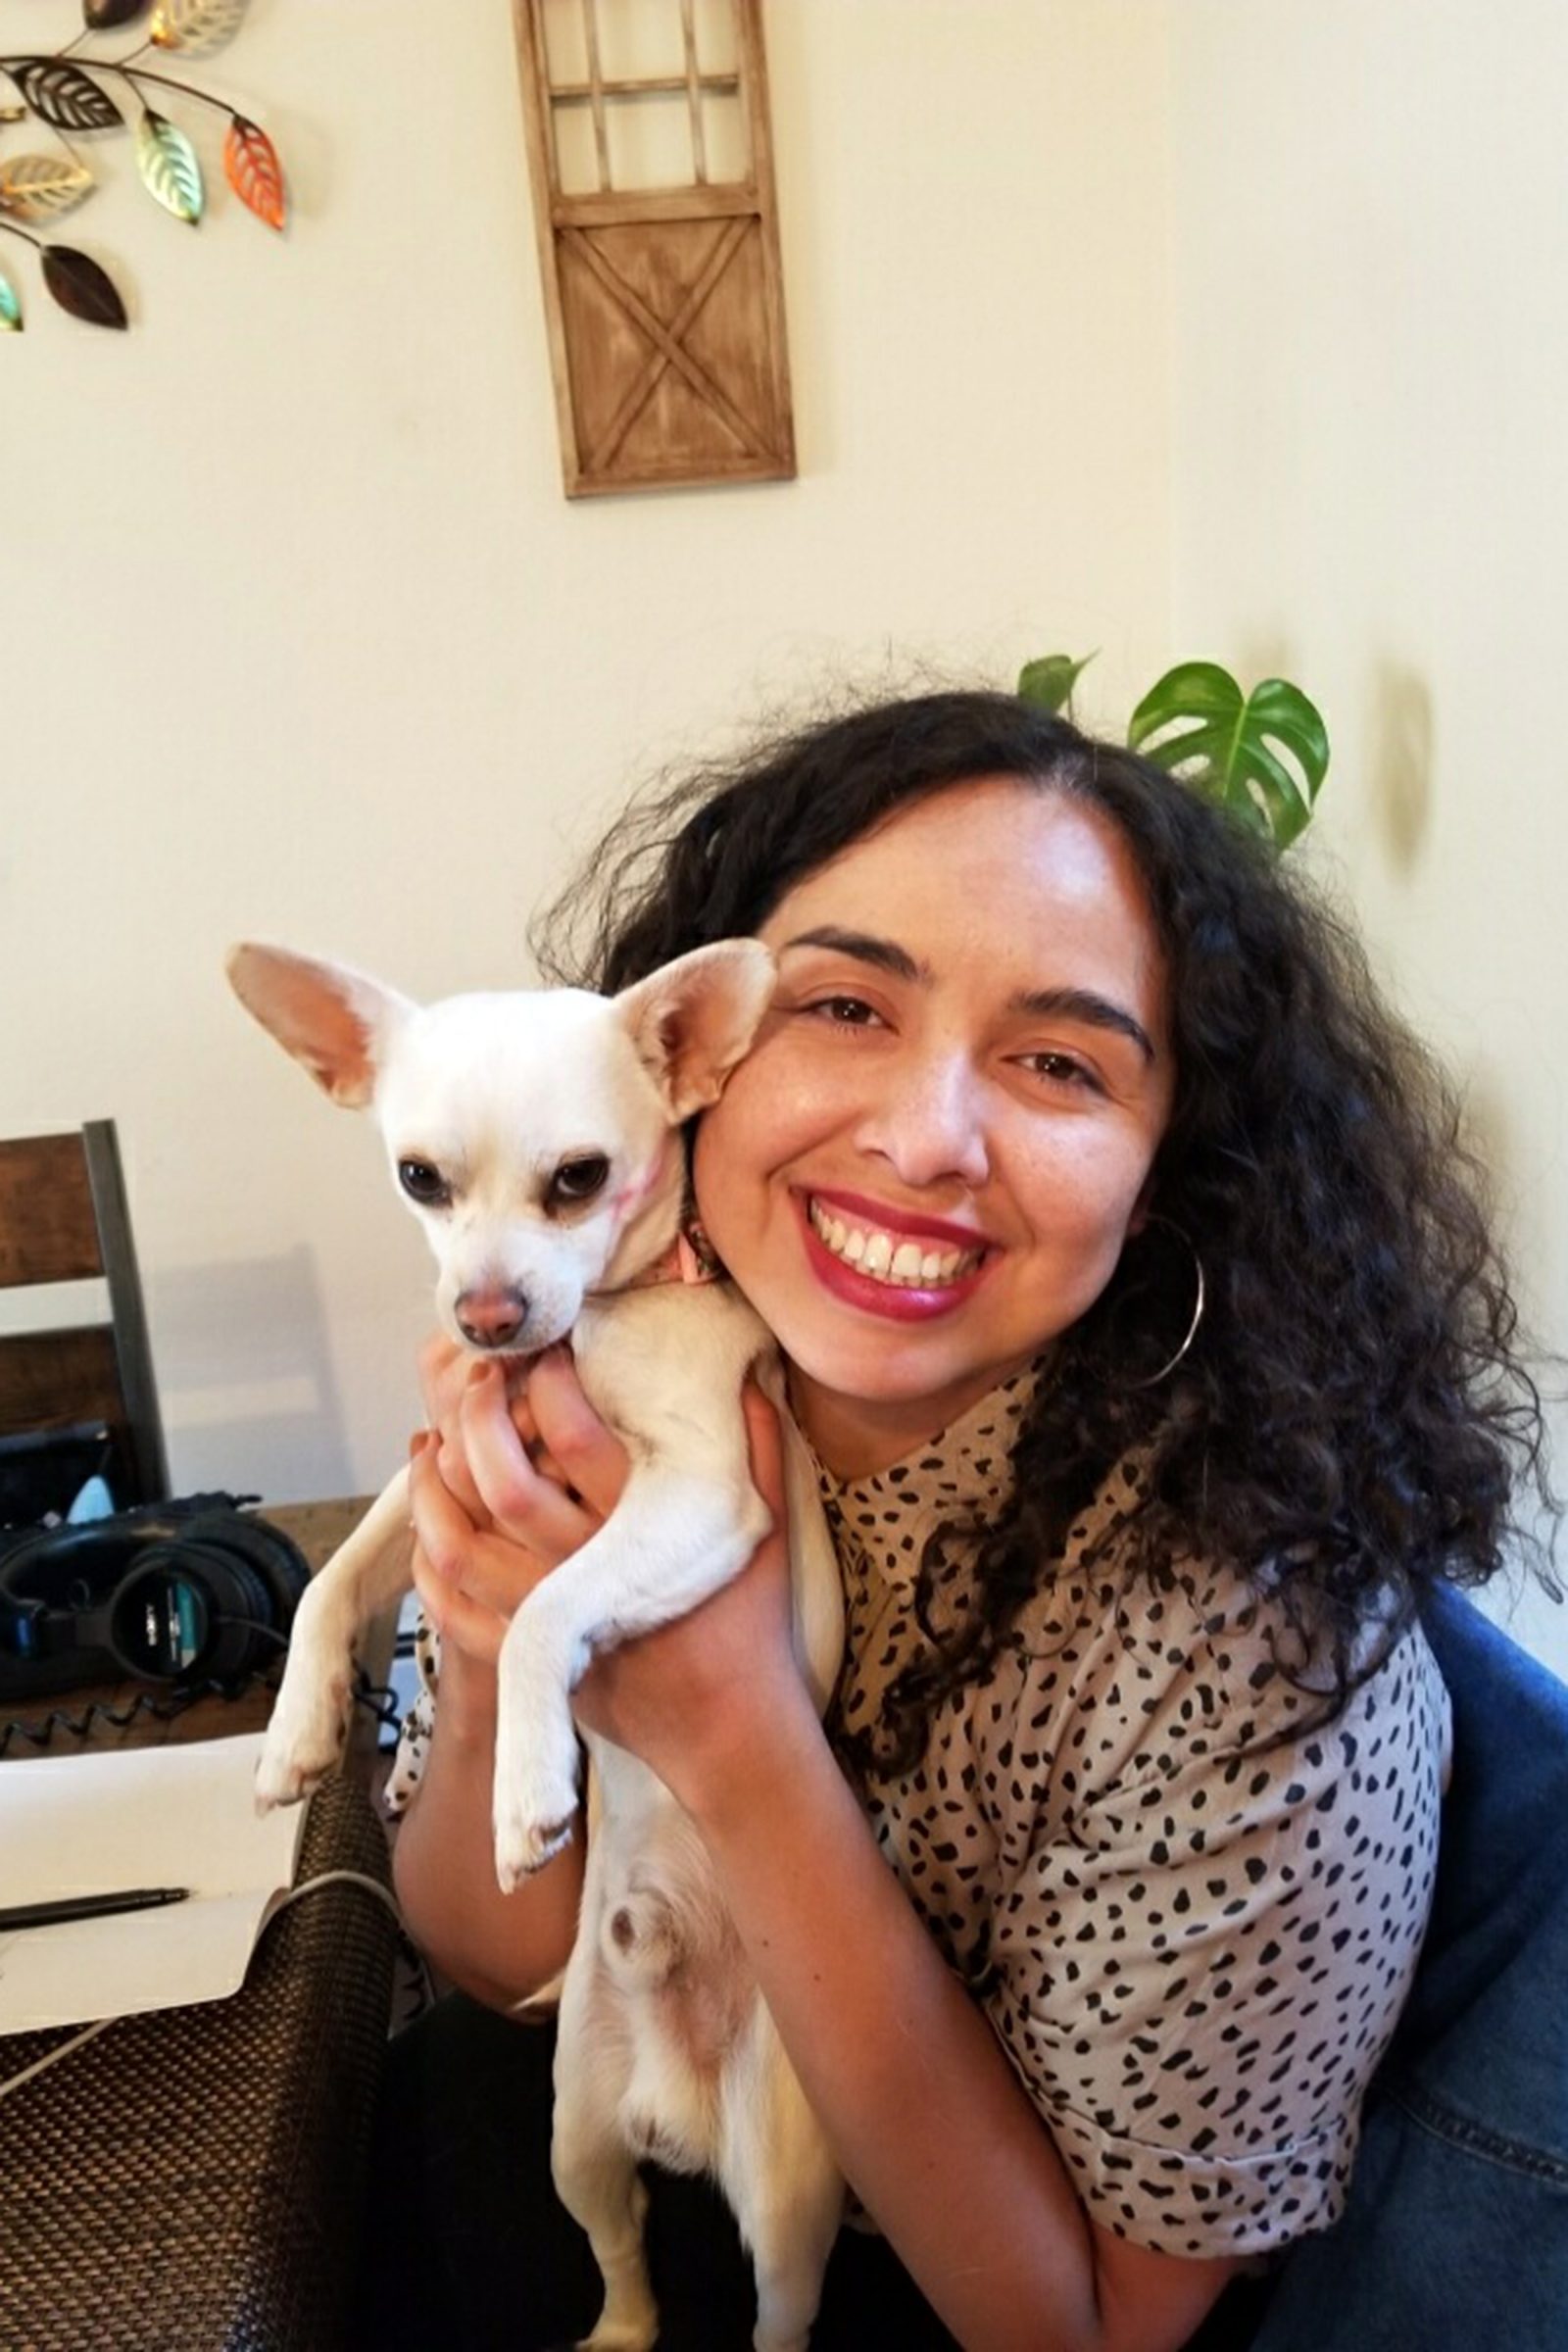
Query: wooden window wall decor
[[652, 164]]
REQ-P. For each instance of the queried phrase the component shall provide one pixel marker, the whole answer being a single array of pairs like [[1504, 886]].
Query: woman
[[1139, 1311]]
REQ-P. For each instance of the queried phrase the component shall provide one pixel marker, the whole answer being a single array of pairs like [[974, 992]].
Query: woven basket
[[193, 2180]]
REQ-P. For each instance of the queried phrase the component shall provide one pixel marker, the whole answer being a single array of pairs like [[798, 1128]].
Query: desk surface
[[318, 1527]]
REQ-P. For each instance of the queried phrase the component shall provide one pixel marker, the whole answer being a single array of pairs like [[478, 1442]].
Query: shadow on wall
[[1490, 1131], [245, 1376], [1401, 772]]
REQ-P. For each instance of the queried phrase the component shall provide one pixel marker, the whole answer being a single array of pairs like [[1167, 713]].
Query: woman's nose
[[929, 1124]]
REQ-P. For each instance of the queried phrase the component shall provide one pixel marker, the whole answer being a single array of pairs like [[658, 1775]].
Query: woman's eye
[[424, 1183], [577, 1180], [1061, 1070], [842, 1012]]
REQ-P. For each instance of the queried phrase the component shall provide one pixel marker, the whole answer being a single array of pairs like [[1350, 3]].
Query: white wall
[[300, 638], [1232, 329], [1369, 248]]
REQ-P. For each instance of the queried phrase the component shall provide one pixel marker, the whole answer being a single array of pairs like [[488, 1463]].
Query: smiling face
[[927, 1165]]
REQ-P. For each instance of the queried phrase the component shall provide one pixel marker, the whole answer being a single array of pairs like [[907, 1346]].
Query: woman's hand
[[503, 1488], [508, 1488], [692, 1695], [448, 1377]]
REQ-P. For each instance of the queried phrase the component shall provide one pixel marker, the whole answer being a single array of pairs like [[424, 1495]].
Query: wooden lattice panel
[[653, 182]]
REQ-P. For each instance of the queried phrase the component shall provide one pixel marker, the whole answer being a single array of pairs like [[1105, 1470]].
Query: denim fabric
[[1457, 2230]]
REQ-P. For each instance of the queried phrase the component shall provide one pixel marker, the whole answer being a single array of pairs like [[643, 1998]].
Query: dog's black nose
[[491, 1318]]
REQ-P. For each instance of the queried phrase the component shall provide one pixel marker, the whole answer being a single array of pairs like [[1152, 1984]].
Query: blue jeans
[[1456, 2231]]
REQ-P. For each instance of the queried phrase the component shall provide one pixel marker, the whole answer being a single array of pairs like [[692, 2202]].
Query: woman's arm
[[498, 1947], [926, 2117], [924, 2113]]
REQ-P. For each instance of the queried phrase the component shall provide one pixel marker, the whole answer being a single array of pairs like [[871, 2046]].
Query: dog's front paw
[[304, 1741], [529, 1830], [535, 1804]]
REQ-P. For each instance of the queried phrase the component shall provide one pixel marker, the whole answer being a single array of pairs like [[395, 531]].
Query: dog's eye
[[577, 1180], [424, 1184]]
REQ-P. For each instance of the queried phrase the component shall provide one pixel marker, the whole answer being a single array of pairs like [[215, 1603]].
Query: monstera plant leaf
[[1263, 757], [1048, 682]]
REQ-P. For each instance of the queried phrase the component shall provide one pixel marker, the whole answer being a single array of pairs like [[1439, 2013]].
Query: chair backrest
[[64, 1218]]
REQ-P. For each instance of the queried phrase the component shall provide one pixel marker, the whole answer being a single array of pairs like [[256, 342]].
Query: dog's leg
[[310, 1717], [777, 2171], [671, 1541], [595, 2172]]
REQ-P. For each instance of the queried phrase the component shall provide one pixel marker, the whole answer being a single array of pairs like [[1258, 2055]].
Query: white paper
[[99, 1824]]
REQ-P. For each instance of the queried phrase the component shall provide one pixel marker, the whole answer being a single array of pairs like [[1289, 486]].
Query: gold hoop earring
[[1166, 1370]]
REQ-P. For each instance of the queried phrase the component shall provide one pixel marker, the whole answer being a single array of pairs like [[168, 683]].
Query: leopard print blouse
[[1191, 1924]]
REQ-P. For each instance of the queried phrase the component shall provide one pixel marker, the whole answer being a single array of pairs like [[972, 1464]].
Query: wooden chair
[[64, 1218]]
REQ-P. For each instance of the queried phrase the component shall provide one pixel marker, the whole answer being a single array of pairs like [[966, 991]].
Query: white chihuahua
[[537, 1136]]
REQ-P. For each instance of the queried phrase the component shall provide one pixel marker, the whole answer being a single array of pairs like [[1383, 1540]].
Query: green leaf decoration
[[80, 287], [1048, 682], [1261, 756], [10, 308], [62, 95], [102, 16], [197, 27], [166, 162], [37, 187]]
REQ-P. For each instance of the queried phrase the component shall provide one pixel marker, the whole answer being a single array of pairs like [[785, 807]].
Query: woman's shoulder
[[1130, 1675]]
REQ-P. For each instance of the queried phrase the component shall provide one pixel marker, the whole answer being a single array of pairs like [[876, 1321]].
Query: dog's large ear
[[335, 1021], [693, 1021]]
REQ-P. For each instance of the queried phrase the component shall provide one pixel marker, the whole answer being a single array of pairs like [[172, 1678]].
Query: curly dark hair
[[1355, 1416]]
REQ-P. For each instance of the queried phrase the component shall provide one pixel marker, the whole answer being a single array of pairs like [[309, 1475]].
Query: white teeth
[[900, 1263]]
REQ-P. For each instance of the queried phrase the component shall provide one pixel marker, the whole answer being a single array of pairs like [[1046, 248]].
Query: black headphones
[[178, 1593]]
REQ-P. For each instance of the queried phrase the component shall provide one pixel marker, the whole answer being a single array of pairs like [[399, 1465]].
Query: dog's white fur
[[665, 2047]]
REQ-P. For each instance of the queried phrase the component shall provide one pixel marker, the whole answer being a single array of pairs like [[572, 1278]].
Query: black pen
[[91, 1906]]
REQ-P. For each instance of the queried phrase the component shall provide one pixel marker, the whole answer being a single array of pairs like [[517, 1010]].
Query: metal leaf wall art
[[80, 92]]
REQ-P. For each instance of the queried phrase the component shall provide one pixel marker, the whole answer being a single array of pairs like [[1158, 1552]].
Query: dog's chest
[[664, 1367]]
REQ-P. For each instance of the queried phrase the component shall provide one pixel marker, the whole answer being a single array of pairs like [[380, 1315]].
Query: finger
[[452, 1461], [589, 1456], [441, 1374], [545, 1462], [442, 1527], [488, 1569], [455, 1617], [533, 1508], [460, 1376]]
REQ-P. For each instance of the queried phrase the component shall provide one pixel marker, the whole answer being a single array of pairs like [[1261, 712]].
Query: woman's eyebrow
[[1084, 1004], [865, 947]]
